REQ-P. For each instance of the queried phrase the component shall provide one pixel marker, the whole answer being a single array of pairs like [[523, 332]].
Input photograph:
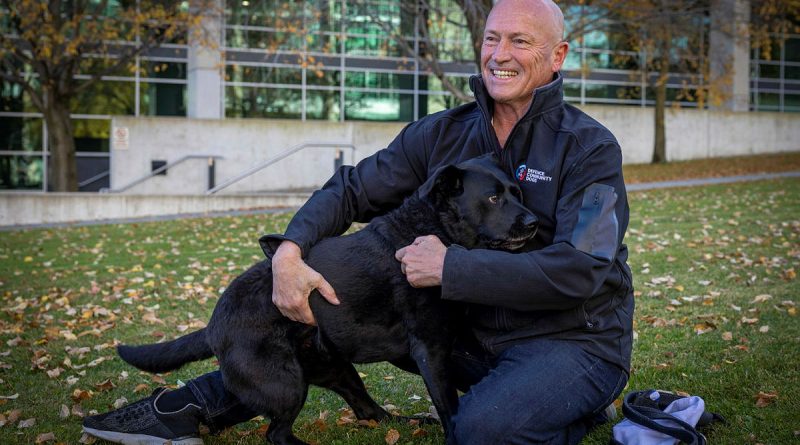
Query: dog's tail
[[167, 356]]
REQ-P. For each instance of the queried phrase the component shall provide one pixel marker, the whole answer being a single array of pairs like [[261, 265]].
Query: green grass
[[704, 259]]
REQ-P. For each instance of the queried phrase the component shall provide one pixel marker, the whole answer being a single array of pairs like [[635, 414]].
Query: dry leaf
[[763, 329], [27, 423], [765, 398], [392, 436], [63, 412], [45, 437], [141, 387], [727, 336], [761, 298]]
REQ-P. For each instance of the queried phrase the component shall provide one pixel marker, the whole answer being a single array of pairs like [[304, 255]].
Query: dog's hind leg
[[342, 378], [273, 385]]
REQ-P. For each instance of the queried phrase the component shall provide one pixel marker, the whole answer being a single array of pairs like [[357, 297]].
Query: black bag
[[647, 423]]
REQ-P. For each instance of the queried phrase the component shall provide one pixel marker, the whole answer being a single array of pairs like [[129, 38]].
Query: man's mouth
[[504, 74]]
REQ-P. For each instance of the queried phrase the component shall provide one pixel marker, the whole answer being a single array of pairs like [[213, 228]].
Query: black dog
[[268, 361]]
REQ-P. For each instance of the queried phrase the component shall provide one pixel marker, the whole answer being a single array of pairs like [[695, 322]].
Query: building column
[[205, 63], [729, 53]]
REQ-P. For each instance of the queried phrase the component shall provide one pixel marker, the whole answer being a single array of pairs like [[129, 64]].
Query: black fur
[[268, 361]]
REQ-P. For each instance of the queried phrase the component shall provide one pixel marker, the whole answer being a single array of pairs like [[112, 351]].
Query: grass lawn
[[716, 293]]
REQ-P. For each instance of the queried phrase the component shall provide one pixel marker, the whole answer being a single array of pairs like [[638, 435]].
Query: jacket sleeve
[[358, 193], [591, 219]]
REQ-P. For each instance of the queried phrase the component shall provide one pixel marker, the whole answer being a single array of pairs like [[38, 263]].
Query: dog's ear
[[445, 182]]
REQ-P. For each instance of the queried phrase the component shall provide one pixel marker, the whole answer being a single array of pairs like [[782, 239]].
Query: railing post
[[211, 173], [338, 160]]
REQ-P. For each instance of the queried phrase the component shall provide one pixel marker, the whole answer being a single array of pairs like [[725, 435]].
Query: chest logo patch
[[525, 174]]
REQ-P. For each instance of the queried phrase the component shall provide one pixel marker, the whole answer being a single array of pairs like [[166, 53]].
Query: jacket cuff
[[452, 282], [269, 244]]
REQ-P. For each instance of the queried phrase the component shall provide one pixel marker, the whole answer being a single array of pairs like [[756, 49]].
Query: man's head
[[522, 47]]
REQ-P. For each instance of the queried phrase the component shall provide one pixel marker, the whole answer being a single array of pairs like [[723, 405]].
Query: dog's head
[[480, 206]]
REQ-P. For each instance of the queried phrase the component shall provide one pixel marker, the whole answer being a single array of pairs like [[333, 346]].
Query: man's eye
[[493, 199]]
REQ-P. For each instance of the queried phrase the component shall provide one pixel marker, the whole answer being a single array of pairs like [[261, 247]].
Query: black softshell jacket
[[571, 282]]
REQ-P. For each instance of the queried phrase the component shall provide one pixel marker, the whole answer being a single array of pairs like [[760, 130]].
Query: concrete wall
[[21, 209], [691, 134], [699, 134], [243, 143]]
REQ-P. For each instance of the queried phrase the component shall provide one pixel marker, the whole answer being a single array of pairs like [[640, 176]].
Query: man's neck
[[504, 117]]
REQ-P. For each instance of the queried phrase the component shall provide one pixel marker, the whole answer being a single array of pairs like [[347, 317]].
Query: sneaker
[[141, 423]]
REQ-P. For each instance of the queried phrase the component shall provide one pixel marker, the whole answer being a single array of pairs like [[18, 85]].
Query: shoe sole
[[140, 439]]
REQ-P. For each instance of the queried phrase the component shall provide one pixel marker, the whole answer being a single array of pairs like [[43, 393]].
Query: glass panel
[[367, 79], [316, 76], [263, 102], [621, 92], [572, 90], [324, 15], [769, 71], [379, 106], [91, 134], [323, 43], [95, 65], [106, 97], [162, 99], [21, 172], [21, 133], [769, 101], [163, 70], [322, 105], [373, 46], [791, 72], [791, 102], [792, 51], [263, 74], [14, 98]]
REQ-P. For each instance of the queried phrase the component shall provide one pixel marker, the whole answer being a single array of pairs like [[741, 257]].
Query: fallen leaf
[[45, 437], [27, 423], [392, 436], [119, 403], [727, 336], [419, 432], [11, 397], [761, 298], [63, 412], [763, 329], [765, 398], [105, 385]]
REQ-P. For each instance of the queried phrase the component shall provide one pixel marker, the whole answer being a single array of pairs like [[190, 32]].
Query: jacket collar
[[544, 98]]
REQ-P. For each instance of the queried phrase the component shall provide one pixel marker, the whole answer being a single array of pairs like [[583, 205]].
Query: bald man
[[551, 327]]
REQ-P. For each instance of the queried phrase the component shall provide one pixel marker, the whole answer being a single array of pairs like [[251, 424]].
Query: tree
[[44, 45]]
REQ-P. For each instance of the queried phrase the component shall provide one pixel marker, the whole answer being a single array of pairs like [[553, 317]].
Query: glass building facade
[[337, 60]]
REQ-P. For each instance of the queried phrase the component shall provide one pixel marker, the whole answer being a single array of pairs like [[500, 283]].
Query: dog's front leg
[[432, 361]]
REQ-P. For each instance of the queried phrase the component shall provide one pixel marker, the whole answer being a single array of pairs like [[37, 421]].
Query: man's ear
[[446, 182]]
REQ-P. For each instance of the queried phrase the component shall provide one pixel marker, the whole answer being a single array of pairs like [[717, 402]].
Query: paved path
[[630, 188], [709, 181]]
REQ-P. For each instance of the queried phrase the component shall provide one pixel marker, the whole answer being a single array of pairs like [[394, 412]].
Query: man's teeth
[[503, 74]]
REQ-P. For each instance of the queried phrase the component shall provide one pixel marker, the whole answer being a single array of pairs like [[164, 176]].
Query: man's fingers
[[327, 291], [400, 254]]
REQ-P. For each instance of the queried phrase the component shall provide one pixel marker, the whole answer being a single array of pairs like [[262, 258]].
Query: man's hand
[[423, 261], [292, 283]]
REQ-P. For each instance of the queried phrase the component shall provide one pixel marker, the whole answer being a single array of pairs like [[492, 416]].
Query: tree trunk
[[660, 143], [63, 169]]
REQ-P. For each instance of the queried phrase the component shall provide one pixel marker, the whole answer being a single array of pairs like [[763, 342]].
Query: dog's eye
[[493, 199]]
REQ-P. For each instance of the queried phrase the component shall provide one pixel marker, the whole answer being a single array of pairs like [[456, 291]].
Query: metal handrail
[[94, 178], [277, 158], [157, 171]]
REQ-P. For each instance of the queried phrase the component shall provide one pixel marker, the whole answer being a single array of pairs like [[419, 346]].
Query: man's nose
[[501, 51]]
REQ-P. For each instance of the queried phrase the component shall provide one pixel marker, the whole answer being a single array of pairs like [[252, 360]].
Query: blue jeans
[[540, 391]]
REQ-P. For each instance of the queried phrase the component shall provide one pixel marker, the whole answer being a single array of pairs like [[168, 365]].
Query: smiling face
[[522, 48]]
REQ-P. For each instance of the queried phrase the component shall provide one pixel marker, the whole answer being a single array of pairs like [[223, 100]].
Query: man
[[552, 325]]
